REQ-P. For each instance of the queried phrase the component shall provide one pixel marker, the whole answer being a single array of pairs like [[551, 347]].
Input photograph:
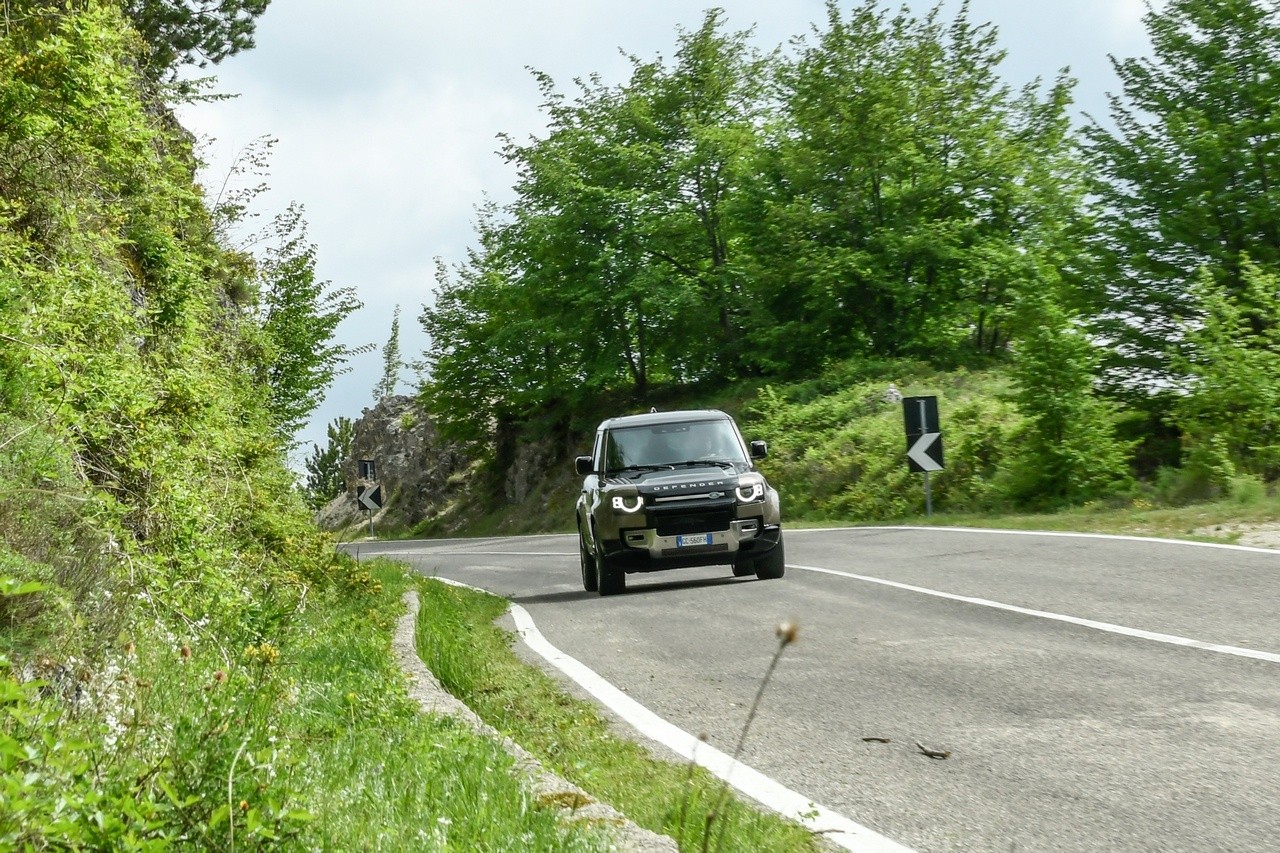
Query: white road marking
[[1171, 639], [839, 829], [1060, 533], [1154, 636]]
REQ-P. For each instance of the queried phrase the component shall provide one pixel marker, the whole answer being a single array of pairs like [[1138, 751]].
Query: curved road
[[1093, 693]]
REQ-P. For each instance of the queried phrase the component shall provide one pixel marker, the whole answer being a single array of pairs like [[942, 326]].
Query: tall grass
[[306, 740]]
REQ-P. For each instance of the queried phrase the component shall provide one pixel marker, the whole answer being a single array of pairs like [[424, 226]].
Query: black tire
[[588, 563], [610, 580], [742, 568], [772, 565]]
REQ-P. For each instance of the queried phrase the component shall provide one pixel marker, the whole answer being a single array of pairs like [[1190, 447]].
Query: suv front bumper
[[644, 550]]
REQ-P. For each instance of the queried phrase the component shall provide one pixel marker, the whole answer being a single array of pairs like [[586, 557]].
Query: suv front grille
[[675, 522]]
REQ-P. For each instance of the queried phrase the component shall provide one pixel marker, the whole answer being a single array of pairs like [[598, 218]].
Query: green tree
[[1068, 450], [612, 268], [391, 361], [324, 465], [1187, 179], [624, 205], [1229, 411], [299, 317], [900, 192], [192, 31]]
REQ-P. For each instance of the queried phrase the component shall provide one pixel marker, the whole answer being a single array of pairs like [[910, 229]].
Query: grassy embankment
[[306, 742]]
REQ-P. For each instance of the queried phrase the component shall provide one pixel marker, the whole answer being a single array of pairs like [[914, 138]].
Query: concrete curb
[[548, 789]]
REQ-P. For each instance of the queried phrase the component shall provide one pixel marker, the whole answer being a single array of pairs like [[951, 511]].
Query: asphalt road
[[1055, 670]]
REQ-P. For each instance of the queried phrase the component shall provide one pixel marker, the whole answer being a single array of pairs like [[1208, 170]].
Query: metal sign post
[[924, 441]]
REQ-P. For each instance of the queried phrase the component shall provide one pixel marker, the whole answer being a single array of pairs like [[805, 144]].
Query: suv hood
[[680, 481]]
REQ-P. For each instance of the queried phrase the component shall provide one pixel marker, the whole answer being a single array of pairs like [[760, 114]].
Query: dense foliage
[[879, 192], [155, 553], [1186, 178]]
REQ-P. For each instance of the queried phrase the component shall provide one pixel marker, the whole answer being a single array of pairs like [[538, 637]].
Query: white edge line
[[835, 827], [1064, 533], [1171, 639]]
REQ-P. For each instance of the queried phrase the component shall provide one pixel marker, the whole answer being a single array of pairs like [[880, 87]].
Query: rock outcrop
[[422, 477]]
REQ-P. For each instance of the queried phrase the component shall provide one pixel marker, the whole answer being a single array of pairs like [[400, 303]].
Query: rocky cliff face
[[422, 477], [433, 487]]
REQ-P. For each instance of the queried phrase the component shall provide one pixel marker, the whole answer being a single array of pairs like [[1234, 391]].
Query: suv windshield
[[666, 445]]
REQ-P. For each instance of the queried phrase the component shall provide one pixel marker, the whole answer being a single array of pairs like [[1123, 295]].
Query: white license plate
[[693, 539]]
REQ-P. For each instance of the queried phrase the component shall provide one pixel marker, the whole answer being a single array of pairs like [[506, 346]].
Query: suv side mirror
[[759, 450], [584, 465]]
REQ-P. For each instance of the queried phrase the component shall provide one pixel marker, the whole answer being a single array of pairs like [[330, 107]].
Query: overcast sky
[[386, 114]]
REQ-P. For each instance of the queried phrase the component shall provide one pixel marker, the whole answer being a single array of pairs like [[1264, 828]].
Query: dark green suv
[[670, 490]]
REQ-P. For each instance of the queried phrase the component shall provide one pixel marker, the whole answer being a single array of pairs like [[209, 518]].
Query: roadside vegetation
[[185, 662], [472, 657]]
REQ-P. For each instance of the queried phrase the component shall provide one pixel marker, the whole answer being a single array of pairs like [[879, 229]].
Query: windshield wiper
[[642, 468], [723, 463]]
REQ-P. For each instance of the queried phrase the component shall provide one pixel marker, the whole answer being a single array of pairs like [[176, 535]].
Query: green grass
[[306, 740], [381, 775], [473, 659]]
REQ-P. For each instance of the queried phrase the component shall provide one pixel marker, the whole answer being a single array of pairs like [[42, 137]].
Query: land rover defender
[[669, 490]]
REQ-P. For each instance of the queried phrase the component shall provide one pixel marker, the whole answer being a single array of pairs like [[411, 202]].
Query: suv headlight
[[635, 503], [750, 490]]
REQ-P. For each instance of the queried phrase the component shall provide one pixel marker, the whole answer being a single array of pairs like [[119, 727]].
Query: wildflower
[[244, 805], [264, 653], [130, 648], [185, 651]]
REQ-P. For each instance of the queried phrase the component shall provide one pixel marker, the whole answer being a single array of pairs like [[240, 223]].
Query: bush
[[843, 455], [1247, 490]]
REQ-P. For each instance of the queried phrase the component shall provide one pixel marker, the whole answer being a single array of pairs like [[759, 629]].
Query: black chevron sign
[[369, 497]]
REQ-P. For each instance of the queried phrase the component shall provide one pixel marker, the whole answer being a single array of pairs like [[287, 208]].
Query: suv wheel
[[590, 581], [610, 579], [772, 565]]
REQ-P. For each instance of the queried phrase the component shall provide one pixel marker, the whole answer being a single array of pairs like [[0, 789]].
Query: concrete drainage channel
[[548, 789]]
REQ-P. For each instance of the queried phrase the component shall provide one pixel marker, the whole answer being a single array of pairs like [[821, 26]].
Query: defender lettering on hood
[[727, 484]]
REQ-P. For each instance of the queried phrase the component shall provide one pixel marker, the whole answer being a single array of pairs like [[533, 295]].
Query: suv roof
[[665, 418]]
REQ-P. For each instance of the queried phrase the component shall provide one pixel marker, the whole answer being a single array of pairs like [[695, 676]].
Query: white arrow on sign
[[919, 452], [370, 497]]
